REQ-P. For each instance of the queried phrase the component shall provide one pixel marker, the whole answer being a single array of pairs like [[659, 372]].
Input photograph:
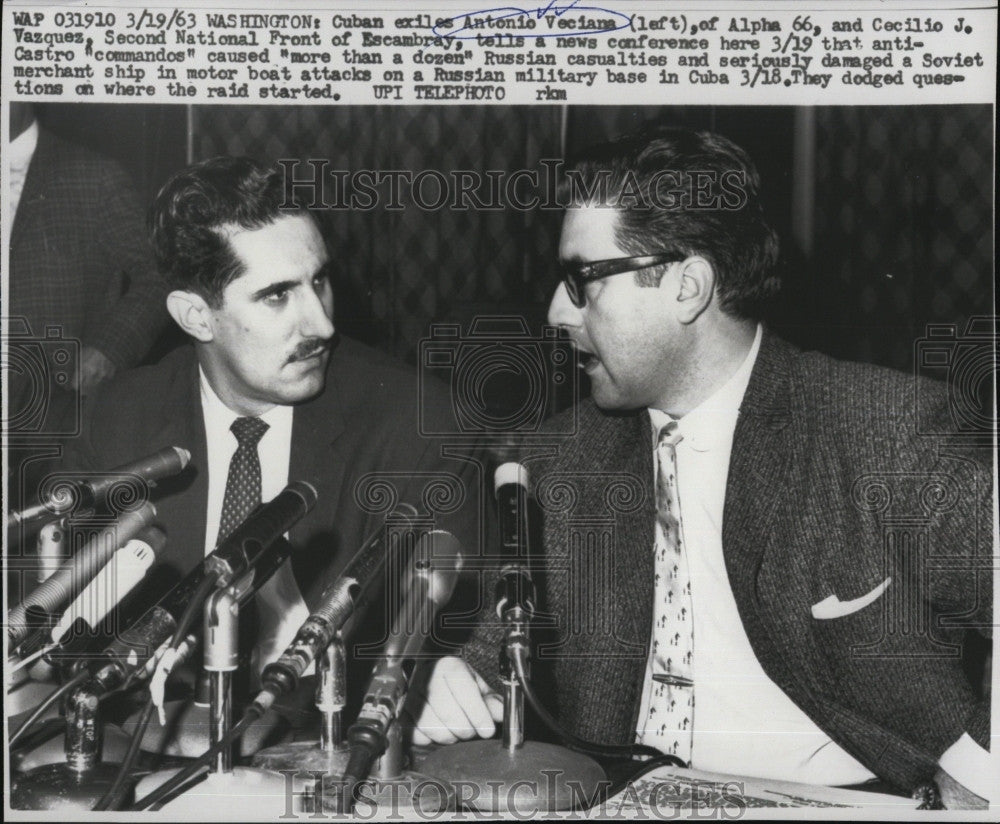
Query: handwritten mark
[[558, 11], [481, 21]]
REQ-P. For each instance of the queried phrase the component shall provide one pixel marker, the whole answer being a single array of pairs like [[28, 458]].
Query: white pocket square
[[833, 607]]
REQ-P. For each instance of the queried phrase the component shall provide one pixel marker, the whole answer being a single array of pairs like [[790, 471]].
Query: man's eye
[[276, 298]]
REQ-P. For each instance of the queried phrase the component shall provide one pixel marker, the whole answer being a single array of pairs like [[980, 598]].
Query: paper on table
[[671, 788]]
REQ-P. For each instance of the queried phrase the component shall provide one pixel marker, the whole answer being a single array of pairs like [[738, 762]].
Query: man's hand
[[450, 702], [95, 367], [957, 796]]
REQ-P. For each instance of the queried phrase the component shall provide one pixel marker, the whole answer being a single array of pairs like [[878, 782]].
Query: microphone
[[127, 567], [437, 561], [171, 460], [238, 553], [69, 495], [515, 593], [267, 563], [515, 588], [79, 570], [345, 596]]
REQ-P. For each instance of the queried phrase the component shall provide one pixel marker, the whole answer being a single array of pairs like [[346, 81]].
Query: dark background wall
[[885, 214]]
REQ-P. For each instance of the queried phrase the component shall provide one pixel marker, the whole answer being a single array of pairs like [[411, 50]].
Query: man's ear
[[695, 288], [191, 313]]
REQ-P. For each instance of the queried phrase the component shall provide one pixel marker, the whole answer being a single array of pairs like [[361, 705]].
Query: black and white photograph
[[395, 433]]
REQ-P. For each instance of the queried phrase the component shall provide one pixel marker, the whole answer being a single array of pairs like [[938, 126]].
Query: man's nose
[[562, 311], [317, 316]]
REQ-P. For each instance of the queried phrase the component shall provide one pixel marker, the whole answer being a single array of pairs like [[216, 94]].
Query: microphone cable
[[42, 733], [609, 789], [41, 709], [251, 714], [115, 793], [630, 751]]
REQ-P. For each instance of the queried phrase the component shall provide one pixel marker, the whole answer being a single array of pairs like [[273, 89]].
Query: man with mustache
[[266, 392], [763, 610]]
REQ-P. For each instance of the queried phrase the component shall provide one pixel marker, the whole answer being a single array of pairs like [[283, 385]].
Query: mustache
[[309, 348]]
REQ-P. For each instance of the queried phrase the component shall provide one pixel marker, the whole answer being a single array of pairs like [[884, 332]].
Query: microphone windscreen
[[127, 567], [510, 473]]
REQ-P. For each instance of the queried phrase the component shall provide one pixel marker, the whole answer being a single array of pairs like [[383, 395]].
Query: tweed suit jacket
[[79, 256], [831, 491], [358, 443]]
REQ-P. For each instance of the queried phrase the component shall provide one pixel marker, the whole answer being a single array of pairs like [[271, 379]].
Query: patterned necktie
[[670, 721], [243, 495], [243, 483]]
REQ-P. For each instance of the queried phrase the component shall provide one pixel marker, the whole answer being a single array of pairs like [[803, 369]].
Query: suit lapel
[[758, 476], [636, 565], [316, 426], [185, 508], [758, 466], [601, 479]]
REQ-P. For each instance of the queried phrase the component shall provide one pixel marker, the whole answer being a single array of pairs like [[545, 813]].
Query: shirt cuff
[[971, 766]]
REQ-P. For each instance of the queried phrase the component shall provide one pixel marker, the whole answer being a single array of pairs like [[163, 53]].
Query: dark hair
[[688, 193], [194, 211]]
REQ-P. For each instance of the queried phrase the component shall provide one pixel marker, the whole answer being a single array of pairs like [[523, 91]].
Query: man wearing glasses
[[747, 621]]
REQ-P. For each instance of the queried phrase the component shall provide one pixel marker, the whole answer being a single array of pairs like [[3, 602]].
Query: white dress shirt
[[279, 602], [743, 722], [22, 149]]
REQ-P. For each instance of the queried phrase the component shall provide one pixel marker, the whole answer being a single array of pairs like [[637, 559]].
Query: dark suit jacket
[[831, 490], [357, 442], [79, 256]]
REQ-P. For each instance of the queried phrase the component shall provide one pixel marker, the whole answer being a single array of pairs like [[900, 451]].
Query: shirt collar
[[219, 417], [22, 147], [713, 420]]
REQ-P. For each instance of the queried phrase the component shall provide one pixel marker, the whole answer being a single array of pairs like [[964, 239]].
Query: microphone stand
[[513, 773], [512, 728], [220, 661], [531, 775], [183, 733], [328, 755], [391, 787], [82, 779], [228, 790]]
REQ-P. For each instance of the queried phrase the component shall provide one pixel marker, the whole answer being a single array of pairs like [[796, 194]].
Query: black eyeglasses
[[577, 275]]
